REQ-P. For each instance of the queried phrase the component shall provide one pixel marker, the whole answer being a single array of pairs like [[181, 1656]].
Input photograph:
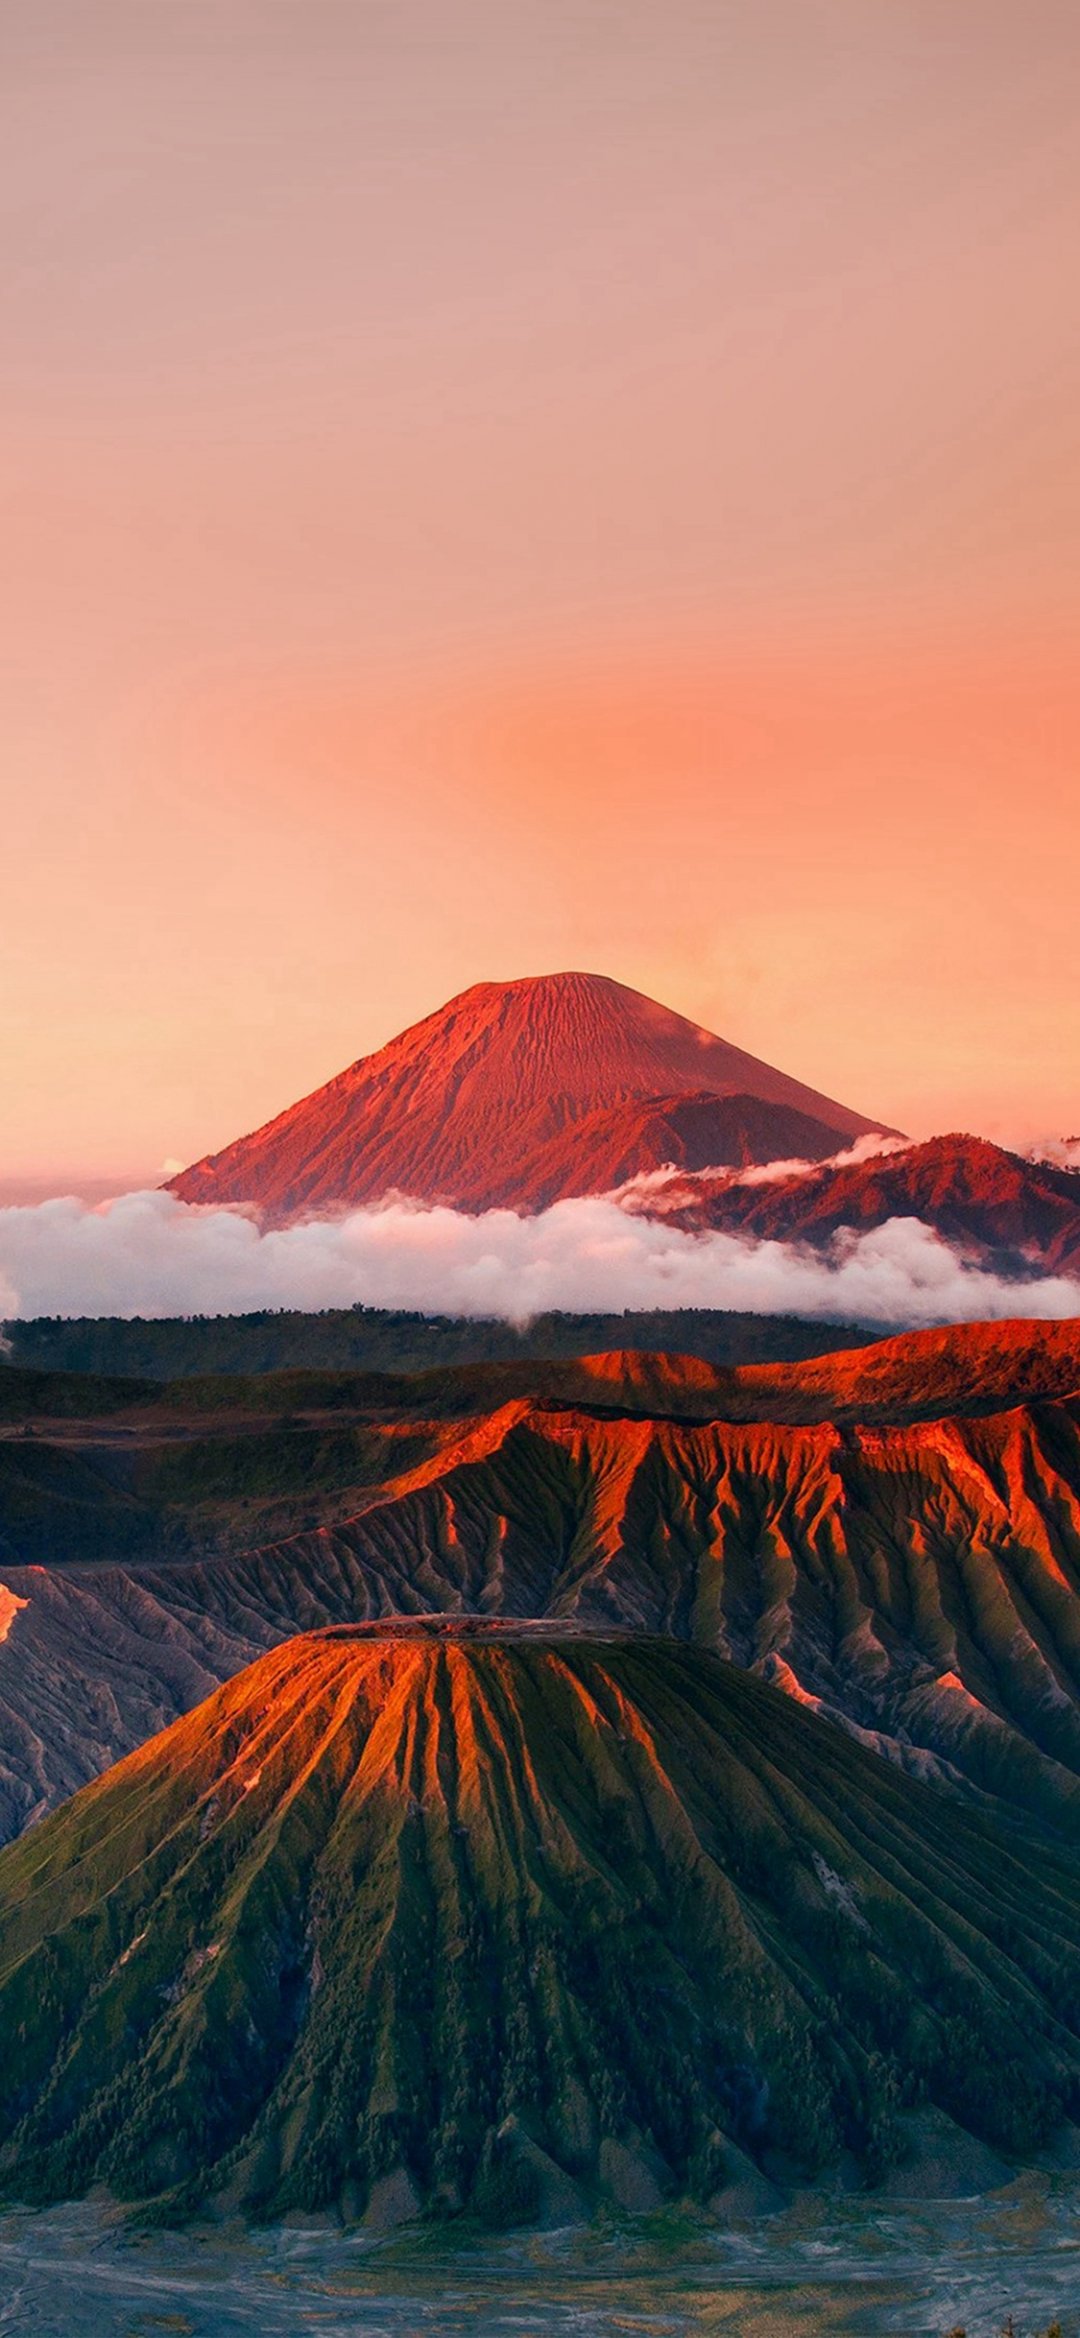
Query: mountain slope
[[477, 1105], [616, 1142], [421, 1919], [872, 1530], [922, 1584], [1019, 1217]]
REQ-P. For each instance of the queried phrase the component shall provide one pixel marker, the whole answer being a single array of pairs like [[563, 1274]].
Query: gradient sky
[[495, 488]]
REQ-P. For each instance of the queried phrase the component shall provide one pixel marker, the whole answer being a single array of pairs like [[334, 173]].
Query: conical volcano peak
[[600, 1041], [574, 1006], [581, 1039], [520, 1927], [515, 1094]]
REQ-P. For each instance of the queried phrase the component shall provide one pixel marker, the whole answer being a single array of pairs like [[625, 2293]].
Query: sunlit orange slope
[[893, 1532], [484, 1104]]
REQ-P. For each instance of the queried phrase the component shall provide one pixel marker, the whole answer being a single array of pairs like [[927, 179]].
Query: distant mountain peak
[[481, 1104]]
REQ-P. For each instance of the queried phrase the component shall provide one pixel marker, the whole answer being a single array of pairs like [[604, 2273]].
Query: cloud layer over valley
[[152, 1255]]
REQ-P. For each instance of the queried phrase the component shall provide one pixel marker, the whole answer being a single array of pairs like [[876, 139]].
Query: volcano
[[517, 1094], [461, 1914]]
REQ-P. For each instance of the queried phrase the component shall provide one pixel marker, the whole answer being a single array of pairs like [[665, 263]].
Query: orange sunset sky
[[491, 488]]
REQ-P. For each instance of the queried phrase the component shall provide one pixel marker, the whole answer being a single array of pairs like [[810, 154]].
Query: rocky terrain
[[892, 1534]]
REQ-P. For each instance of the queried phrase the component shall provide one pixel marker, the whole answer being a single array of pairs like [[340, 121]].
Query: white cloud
[[671, 1186], [150, 1254], [867, 1148], [9, 1307], [1060, 1152]]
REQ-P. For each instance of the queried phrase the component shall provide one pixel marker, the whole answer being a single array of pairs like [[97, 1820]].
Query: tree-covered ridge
[[388, 1340]]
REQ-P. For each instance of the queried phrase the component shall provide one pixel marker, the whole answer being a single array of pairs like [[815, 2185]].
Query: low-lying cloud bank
[[651, 1188], [149, 1254]]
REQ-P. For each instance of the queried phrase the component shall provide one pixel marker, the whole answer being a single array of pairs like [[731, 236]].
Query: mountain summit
[[517, 1094]]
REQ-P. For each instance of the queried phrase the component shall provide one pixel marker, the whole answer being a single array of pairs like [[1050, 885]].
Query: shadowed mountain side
[[1018, 1217], [620, 1141], [401, 1923], [464, 1106], [922, 1582]]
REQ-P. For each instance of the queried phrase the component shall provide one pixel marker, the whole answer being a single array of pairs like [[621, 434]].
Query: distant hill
[[1019, 1217], [442, 1919], [515, 1094], [384, 1340], [962, 1368]]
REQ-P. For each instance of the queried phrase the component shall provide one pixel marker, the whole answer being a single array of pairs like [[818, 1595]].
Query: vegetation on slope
[[387, 1340], [162, 1487], [961, 1368], [491, 1917]]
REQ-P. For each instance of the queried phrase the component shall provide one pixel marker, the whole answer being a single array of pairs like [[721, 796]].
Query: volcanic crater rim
[[550, 1630]]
